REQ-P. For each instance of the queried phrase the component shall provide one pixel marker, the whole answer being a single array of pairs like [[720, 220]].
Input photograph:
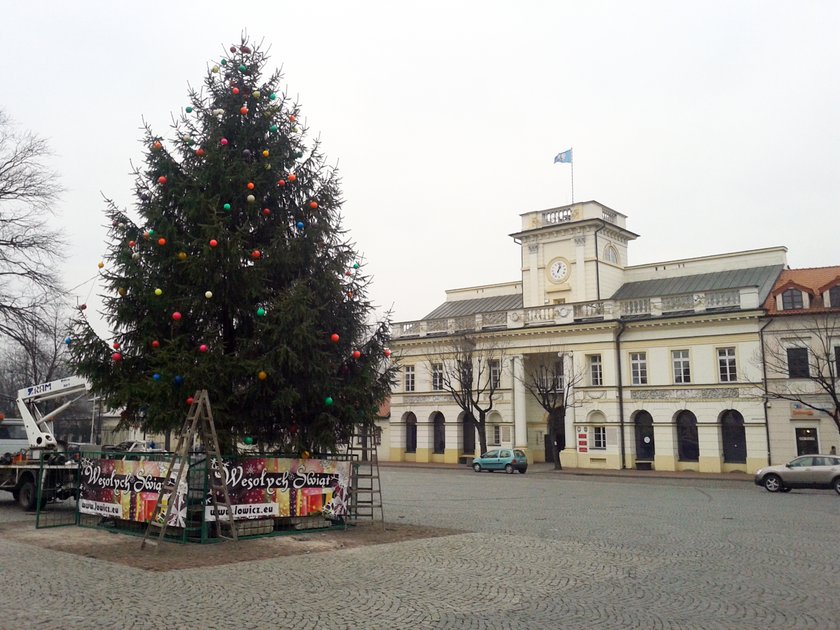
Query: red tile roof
[[814, 280]]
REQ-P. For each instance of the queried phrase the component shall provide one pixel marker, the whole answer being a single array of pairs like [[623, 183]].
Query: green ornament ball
[[328, 401], [273, 128], [272, 97], [242, 67], [151, 232], [226, 206], [189, 109], [261, 312], [355, 265], [224, 62], [248, 440]]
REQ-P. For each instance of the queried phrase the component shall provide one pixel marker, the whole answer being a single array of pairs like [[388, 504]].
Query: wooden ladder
[[199, 422], [366, 489]]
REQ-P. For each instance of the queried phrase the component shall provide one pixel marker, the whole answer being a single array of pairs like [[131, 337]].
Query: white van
[[12, 436]]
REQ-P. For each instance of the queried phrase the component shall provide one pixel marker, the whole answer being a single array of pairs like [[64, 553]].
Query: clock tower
[[574, 253]]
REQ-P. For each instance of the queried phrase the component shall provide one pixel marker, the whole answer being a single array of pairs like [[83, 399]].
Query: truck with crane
[[46, 463]]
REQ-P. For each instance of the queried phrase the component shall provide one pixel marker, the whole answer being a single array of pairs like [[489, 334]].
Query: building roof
[[761, 277], [459, 308], [814, 280]]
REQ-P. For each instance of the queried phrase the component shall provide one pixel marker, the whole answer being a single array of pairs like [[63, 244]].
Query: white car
[[807, 471]]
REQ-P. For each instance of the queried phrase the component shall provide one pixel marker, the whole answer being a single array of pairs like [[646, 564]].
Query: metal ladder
[[366, 489], [199, 422]]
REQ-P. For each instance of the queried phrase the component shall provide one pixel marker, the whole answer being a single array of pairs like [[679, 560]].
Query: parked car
[[807, 471], [507, 459]]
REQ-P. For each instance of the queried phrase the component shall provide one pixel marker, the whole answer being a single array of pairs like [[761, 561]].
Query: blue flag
[[564, 158]]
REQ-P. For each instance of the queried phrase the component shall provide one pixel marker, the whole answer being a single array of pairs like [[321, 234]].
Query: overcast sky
[[714, 126]]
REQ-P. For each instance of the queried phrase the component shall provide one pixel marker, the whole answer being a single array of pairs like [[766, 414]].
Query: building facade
[[662, 356]]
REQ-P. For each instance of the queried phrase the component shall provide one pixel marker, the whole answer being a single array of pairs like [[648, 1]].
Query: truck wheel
[[27, 495]]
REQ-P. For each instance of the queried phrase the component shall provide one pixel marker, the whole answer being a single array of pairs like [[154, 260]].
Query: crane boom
[[38, 426]]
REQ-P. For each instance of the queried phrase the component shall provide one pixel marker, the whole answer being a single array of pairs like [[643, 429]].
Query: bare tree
[[470, 370], [28, 245], [802, 362], [553, 388]]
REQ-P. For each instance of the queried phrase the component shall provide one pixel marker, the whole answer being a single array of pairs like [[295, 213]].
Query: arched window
[[410, 433], [792, 299], [688, 447], [439, 441], [733, 437], [645, 447], [610, 254], [469, 435]]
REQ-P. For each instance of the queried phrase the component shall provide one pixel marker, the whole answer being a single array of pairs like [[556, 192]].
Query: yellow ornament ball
[[158, 292], [182, 255], [265, 153], [208, 295], [101, 264], [262, 375], [121, 291]]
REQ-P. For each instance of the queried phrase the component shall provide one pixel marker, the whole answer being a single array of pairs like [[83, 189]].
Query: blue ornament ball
[[178, 380], [68, 341], [156, 376], [300, 225]]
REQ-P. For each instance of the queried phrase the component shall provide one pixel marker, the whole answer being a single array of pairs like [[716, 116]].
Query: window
[[610, 255], [836, 361], [599, 437], [688, 446], [409, 378], [638, 367], [437, 376], [506, 434], [834, 296], [495, 374], [497, 434], [411, 433], [806, 441], [792, 299], [12, 432], [439, 434], [798, 363], [726, 365], [557, 377], [682, 371], [595, 374]]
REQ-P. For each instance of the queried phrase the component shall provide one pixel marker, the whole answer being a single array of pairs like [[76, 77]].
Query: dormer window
[[792, 300], [834, 297]]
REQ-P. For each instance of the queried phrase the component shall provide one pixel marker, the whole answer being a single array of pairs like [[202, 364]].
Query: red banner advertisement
[[128, 490], [271, 487]]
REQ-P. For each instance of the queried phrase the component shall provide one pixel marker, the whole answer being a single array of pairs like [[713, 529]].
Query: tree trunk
[[557, 434], [482, 433]]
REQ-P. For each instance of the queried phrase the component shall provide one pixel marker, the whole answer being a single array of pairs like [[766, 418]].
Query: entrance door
[[806, 442], [469, 436], [645, 446]]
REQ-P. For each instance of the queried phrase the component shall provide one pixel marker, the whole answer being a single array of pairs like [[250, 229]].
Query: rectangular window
[[437, 376], [409, 378], [836, 361], [726, 365], [798, 363], [495, 374], [638, 367], [599, 437], [792, 299], [506, 434], [595, 373], [497, 434], [557, 382], [682, 371]]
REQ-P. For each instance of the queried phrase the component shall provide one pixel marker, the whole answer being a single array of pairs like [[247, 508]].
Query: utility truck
[[46, 456]]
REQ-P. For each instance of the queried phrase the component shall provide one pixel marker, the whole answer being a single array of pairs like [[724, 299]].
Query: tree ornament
[[262, 375], [235, 91], [176, 316], [260, 312], [161, 242], [273, 128], [151, 232], [292, 118], [313, 204], [256, 254], [265, 153], [213, 242], [215, 69], [349, 295], [292, 177], [357, 355], [135, 256], [155, 344], [257, 94], [266, 212], [158, 292], [334, 337], [202, 347], [248, 440], [355, 265], [226, 207], [116, 356], [208, 295], [300, 226], [246, 153], [250, 185], [218, 112], [178, 380], [251, 198], [190, 401], [182, 256], [157, 146], [156, 376], [189, 109], [348, 273], [272, 97], [387, 353], [82, 307], [162, 180], [245, 50], [223, 142], [116, 345], [68, 341], [243, 110], [281, 182], [328, 401], [121, 291], [199, 152], [100, 264], [242, 67], [131, 243], [233, 49]]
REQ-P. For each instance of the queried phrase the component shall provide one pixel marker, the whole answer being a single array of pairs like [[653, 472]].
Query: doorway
[[806, 442], [645, 445]]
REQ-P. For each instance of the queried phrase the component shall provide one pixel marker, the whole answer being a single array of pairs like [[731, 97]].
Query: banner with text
[[270, 487], [128, 490]]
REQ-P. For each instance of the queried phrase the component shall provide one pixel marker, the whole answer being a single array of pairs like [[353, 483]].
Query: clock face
[[558, 270]]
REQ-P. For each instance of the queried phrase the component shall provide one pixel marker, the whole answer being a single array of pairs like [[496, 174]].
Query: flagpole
[[573, 175]]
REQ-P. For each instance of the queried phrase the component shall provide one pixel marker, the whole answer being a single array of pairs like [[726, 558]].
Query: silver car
[[807, 471]]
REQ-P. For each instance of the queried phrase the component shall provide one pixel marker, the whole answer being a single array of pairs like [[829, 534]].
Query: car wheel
[[523, 470], [477, 467], [772, 483], [509, 469], [836, 485], [27, 495]]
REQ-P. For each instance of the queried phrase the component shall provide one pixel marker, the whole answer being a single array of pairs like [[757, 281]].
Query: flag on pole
[[564, 157]]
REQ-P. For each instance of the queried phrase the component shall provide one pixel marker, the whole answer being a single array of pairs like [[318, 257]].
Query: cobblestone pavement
[[541, 551]]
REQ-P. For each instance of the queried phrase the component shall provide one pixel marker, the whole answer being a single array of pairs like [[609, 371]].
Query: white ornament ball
[[135, 256], [251, 198], [219, 112], [257, 93], [208, 294]]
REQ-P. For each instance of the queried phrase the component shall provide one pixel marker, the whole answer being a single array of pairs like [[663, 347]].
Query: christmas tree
[[236, 277]]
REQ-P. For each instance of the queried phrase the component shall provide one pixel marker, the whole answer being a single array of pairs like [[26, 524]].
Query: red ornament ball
[[292, 118], [82, 307], [256, 254], [161, 242], [162, 180], [176, 316], [236, 90], [156, 344], [243, 111], [199, 152], [116, 356], [266, 212], [250, 185], [131, 243], [313, 204], [116, 345], [334, 337], [357, 355], [387, 352], [213, 242], [190, 401], [292, 177], [202, 347], [233, 49], [281, 183], [157, 146]]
